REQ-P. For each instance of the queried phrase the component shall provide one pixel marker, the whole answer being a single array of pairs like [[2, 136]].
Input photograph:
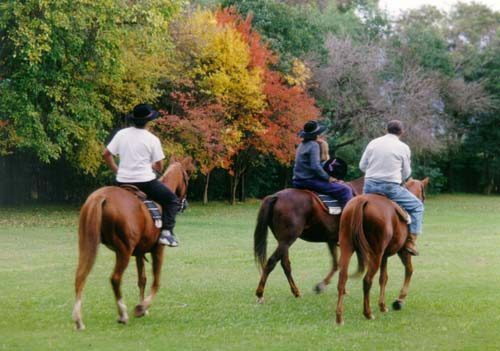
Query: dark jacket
[[307, 162]]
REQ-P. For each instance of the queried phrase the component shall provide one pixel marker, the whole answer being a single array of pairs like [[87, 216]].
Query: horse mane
[[170, 168]]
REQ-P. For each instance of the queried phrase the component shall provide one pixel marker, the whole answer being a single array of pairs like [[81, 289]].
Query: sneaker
[[167, 237]]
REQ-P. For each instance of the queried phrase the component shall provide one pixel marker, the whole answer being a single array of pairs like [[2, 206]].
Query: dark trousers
[[339, 191], [158, 192]]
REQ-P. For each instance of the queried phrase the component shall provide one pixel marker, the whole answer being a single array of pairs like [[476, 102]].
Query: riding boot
[[410, 244]]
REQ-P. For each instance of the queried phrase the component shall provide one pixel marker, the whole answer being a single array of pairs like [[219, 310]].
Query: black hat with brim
[[143, 113], [312, 129]]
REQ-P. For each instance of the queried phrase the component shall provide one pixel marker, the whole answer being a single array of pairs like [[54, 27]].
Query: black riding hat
[[143, 113], [312, 129]]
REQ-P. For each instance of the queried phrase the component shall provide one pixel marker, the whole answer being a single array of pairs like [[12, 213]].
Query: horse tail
[[360, 243], [89, 237], [260, 234]]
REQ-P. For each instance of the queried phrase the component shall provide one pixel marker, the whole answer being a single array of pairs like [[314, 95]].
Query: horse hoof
[[140, 311], [79, 326], [260, 300], [320, 288], [122, 320], [340, 321], [384, 309], [370, 317], [397, 305]]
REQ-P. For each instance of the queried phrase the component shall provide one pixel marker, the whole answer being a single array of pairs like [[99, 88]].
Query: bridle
[[184, 204]]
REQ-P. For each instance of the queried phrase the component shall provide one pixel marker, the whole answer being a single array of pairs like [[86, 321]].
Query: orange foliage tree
[[288, 107], [230, 106]]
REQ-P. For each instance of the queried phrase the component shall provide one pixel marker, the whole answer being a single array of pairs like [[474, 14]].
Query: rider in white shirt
[[386, 163], [140, 152]]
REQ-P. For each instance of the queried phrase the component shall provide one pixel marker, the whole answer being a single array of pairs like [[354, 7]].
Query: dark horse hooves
[[397, 305], [320, 288], [140, 311]]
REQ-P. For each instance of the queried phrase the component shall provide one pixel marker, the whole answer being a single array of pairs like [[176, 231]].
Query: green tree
[[63, 72]]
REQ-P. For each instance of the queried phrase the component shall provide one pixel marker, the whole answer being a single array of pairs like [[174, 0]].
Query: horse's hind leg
[[141, 279], [122, 260], [287, 268], [406, 259], [346, 251], [142, 308], [271, 263], [383, 282], [81, 275], [321, 287], [87, 256], [367, 284]]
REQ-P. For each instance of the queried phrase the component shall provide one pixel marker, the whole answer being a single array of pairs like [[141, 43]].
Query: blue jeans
[[402, 197], [339, 191]]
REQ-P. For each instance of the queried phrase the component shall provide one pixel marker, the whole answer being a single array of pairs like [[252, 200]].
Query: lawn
[[207, 297]]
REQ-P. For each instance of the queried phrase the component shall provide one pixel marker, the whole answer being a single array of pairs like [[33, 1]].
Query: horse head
[[417, 187], [177, 175]]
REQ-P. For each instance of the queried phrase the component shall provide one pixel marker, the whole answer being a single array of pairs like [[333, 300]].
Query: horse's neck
[[172, 177], [357, 185], [167, 177]]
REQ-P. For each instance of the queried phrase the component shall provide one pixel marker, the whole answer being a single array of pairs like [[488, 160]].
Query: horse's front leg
[[383, 282], [157, 256], [122, 260], [141, 278], [406, 259], [321, 287]]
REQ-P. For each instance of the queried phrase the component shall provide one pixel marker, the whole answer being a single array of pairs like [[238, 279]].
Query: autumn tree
[[230, 104], [219, 97], [288, 107]]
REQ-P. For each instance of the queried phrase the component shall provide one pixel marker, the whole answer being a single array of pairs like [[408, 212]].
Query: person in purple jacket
[[308, 172]]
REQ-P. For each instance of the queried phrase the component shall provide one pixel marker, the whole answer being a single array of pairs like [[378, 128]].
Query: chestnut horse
[[293, 214], [120, 220], [375, 228]]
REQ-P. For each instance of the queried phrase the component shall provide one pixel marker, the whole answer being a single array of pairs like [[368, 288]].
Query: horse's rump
[[123, 212], [371, 219], [303, 197]]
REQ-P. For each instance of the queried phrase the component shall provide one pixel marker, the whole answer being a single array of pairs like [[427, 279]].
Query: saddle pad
[[154, 211], [330, 203], [152, 207]]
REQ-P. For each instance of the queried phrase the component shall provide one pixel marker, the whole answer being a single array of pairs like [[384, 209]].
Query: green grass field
[[207, 297]]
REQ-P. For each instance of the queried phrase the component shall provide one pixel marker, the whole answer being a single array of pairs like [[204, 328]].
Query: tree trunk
[[205, 191], [234, 187], [490, 179], [285, 176], [242, 188]]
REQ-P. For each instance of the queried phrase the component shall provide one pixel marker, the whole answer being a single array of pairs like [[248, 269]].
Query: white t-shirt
[[387, 159], [138, 149]]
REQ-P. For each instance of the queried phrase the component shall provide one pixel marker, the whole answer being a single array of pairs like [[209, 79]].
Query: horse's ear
[[188, 164], [173, 159], [425, 182]]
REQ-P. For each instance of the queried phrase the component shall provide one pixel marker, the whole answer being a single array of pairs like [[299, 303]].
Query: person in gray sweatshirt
[[308, 172]]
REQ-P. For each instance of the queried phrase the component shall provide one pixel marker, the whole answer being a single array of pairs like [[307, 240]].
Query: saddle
[[152, 206], [328, 203]]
